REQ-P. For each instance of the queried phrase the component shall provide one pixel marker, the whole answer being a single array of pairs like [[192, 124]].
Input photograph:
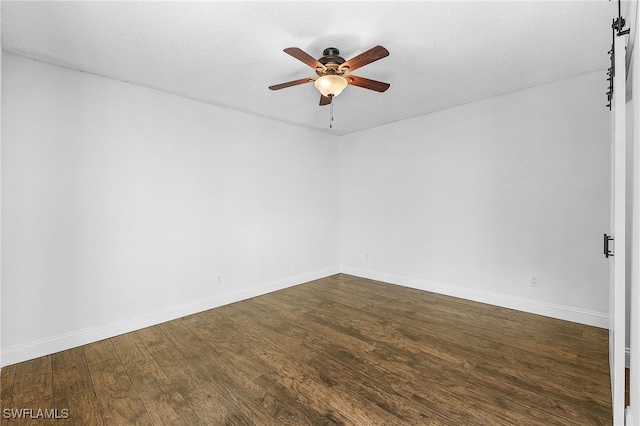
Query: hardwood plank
[[70, 372], [117, 398], [309, 414], [266, 406], [83, 409], [204, 398], [140, 365], [7, 376], [242, 394], [226, 347], [99, 351], [42, 413], [7, 379], [162, 400], [313, 385], [129, 347], [167, 406], [153, 339], [33, 381]]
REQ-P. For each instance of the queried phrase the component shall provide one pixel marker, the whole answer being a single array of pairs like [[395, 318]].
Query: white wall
[[473, 200], [122, 205]]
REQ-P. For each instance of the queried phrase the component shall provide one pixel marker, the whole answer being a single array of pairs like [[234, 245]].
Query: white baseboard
[[78, 338], [568, 313], [629, 418]]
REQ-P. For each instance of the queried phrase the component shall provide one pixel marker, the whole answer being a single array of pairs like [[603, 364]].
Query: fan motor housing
[[332, 61]]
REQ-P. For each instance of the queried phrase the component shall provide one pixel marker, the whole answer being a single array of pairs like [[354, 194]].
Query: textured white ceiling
[[442, 53]]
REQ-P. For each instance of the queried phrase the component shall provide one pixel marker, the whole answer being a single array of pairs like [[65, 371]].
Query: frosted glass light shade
[[331, 84]]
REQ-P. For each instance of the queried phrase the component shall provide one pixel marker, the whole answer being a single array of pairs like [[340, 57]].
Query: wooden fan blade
[[291, 83], [365, 58], [301, 55], [325, 100], [378, 86]]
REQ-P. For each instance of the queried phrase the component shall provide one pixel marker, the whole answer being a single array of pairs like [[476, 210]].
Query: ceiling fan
[[334, 72]]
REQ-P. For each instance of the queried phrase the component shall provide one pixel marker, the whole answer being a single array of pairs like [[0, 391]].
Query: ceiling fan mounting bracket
[[331, 56], [331, 51]]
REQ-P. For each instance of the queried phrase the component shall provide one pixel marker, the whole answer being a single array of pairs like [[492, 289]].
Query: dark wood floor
[[341, 350]]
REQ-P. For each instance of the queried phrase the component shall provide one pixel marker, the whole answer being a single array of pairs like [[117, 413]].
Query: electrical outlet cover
[[535, 281]]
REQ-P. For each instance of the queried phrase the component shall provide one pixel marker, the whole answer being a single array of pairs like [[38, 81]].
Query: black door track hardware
[[607, 253]]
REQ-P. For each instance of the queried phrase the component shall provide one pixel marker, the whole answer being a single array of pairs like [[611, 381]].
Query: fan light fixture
[[330, 69], [331, 85]]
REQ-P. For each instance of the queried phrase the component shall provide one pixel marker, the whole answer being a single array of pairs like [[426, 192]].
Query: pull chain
[[331, 115]]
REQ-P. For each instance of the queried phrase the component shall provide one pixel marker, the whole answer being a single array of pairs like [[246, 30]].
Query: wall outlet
[[535, 281], [367, 257], [218, 279]]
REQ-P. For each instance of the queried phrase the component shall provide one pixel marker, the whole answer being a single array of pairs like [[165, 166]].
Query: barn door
[[615, 242]]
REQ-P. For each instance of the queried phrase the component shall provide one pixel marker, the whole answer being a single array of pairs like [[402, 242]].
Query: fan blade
[[325, 100], [301, 55], [291, 83], [365, 58], [366, 83]]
